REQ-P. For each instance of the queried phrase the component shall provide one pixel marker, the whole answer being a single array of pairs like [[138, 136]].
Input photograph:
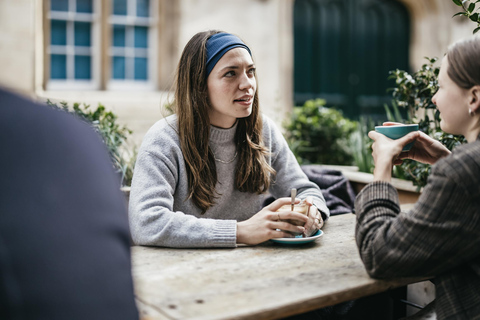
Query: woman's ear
[[474, 103]]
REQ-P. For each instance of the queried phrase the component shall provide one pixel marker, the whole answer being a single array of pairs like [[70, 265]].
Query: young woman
[[202, 174], [440, 236]]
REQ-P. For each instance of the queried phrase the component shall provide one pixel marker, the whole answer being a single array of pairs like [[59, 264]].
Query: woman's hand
[[386, 151], [425, 149], [315, 220], [263, 225]]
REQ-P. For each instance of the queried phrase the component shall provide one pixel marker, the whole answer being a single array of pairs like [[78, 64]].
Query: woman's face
[[452, 102], [231, 88]]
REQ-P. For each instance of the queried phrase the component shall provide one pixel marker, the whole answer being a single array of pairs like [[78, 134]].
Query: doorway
[[344, 49]]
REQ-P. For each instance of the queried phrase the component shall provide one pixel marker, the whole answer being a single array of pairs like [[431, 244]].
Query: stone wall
[[433, 28], [17, 45]]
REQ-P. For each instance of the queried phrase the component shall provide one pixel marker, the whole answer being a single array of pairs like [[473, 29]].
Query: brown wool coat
[[438, 238]]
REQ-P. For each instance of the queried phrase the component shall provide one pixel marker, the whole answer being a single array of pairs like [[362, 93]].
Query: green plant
[[317, 134], [469, 12], [113, 135], [414, 92], [361, 145]]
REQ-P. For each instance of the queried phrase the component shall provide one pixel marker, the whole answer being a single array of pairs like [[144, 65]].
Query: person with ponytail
[[439, 237], [203, 173]]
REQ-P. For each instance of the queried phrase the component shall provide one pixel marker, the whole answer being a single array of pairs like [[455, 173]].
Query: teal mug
[[398, 131]]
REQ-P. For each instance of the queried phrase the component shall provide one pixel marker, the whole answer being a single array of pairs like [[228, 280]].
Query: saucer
[[299, 239]]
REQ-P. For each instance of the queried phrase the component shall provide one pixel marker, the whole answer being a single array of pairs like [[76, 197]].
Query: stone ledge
[[407, 192]]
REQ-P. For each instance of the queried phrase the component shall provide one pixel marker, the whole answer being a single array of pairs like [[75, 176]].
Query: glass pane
[[82, 34], [83, 65], [59, 5], [141, 68], [141, 37], [58, 32], [58, 66], [84, 6], [118, 35], [120, 7], [118, 67], [143, 7]]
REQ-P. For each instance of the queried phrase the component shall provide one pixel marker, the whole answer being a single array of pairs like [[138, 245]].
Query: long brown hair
[[464, 62], [252, 172]]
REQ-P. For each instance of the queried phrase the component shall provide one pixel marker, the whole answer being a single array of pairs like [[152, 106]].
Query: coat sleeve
[[438, 234]]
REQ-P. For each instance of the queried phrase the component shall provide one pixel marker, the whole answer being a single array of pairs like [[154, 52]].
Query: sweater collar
[[219, 135]]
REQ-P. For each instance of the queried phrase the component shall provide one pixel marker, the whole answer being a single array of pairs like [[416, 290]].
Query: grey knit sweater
[[160, 212]]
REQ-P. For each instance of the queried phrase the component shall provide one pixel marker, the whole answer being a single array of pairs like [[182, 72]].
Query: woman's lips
[[244, 101]]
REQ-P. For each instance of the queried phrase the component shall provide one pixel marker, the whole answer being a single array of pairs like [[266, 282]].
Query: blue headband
[[218, 45]]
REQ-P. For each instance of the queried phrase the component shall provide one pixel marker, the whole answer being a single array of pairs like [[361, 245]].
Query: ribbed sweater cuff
[[225, 233], [322, 207]]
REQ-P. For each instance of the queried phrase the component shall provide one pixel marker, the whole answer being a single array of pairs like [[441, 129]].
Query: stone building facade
[[266, 26]]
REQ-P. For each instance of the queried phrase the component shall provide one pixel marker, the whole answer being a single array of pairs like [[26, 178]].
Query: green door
[[344, 50]]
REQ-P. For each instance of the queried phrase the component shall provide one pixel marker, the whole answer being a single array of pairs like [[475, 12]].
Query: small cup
[[398, 131], [301, 207]]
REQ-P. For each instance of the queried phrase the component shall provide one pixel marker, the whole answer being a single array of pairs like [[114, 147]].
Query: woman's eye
[[230, 74], [251, 71]]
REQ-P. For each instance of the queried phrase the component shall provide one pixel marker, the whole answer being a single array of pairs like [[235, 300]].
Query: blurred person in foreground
[[64, 239], [202, 174], [440, 236]]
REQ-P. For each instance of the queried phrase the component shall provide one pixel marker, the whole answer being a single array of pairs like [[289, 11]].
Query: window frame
[[151, 23], [100, 46], [71, 17]]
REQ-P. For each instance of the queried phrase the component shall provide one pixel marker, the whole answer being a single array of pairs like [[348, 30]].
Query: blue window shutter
[[141, 37], [83, 34], [83, 67], [58, 66], [118, 71], [118, 35], [58, 32], [143, 8], [59, 5], [120, 7], [141, 67], [84, 6]]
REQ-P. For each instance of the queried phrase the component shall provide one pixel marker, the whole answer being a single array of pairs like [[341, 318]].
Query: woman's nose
[[247, 82], [434, 99]]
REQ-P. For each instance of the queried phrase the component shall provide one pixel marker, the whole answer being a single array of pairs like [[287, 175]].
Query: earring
[[471, 113]]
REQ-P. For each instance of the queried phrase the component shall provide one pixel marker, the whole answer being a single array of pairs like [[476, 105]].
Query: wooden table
[[268, 281]]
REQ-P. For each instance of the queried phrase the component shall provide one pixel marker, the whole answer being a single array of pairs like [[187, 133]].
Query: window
[[71, 43], [95, 44], [131, 26]]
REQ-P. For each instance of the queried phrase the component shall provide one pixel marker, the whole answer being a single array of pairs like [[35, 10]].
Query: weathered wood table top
[[268, 281]]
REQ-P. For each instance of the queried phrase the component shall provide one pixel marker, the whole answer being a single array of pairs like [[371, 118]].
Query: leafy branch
[[469, 8], [113, 135], [317, 134]]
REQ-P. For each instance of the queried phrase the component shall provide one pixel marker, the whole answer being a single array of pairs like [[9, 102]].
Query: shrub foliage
[[113, 135]]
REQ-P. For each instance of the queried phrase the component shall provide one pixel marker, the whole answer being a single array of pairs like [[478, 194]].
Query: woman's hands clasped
[[315, 220], [388, 152], [268, 223]]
